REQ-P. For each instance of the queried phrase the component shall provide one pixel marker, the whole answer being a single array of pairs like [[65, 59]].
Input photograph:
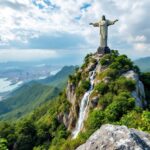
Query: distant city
[[14, 74]]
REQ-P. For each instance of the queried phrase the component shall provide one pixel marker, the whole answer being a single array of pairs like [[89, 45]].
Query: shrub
[[145, 78], [84, 86], [118, 107], [105, 100], [137, 119], [7, 131], [3, 144], [123, 84], [95, 120], [101, 87], [112, 73], [131, 119], [86, 60], [146, 121], [122, 63], [114, 54], [104, 61]]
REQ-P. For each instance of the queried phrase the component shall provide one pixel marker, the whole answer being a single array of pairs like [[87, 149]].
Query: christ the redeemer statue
[[103, 25]]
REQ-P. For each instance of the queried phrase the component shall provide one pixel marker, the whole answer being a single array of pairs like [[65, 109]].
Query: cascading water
[[83, 106]]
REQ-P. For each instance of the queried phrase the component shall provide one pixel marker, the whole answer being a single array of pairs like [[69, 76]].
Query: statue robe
[[103, 25]]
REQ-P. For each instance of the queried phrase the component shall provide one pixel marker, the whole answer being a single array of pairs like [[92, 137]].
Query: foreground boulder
[[113, 137]]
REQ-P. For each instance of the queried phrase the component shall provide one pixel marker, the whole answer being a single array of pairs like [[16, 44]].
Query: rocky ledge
[[113, 137]]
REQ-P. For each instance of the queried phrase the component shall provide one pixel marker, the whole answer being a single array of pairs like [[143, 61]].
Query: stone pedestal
[[103, 50]]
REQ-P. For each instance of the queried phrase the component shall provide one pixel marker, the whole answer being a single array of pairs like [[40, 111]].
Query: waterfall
[[83, 106]]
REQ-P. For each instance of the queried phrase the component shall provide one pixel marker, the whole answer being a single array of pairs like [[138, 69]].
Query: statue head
[[103, 17]]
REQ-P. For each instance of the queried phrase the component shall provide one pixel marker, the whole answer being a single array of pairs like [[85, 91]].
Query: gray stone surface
[[103, 50], [139, 92], [113, 137], [93, 102]]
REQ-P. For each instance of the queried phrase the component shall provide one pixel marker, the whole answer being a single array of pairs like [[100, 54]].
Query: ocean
[[7, 86]]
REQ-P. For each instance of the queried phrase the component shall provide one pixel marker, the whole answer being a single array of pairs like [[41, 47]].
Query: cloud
[[58, 41], [26, 55], [64, 24], [55, 57]]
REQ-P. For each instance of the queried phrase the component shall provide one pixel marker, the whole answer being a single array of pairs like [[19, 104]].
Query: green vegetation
[[44, 129], [86, 61], [3, 144], [40, 129], [26, 98], [116, 104], [60, 78], [138, 119], [74, 79], [84, 86], [120, 63], [101, 88], [33, 94], [80, 78], [145, 78]]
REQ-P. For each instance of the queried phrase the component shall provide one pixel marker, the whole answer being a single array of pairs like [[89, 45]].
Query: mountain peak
[[101, 80]]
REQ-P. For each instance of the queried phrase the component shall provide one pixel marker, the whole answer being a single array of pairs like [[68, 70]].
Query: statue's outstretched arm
[[112, 22], [96, 24]]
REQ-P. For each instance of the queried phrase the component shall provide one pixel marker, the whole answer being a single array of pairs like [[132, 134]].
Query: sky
[[59, 29]]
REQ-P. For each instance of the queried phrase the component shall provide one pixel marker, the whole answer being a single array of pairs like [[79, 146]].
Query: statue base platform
[[103, 50]]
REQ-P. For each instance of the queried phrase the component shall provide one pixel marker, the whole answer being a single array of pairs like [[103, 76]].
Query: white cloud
[[140, 38], [21, 20], [26, 55], [142, 48]]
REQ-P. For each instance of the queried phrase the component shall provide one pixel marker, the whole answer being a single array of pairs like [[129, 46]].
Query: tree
[[122, 63], [26, 135], [123, 84], [3, 144], [105, 100], [118, 108], [95, 120], [101, 87]]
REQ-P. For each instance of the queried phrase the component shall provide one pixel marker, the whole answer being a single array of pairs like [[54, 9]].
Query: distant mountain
[[15, 74], [33, 94], [25, 99], [143, 64], [60, 77]]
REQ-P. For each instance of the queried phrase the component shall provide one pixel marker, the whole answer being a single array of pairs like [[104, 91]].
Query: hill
[[143, 64], [105, 89], [33, 94], [60, 77]]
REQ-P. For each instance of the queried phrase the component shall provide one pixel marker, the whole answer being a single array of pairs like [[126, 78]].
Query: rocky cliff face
[[139, 92], [74, 95], [77, 86], [111, 137]]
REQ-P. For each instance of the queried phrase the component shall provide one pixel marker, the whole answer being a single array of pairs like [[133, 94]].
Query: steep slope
[[112, 81], [26, 98], [143, 64], [60, 77], [33, 94], [111, 92]]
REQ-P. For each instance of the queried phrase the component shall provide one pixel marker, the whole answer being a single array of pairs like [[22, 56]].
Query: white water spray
[[83, 106]]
